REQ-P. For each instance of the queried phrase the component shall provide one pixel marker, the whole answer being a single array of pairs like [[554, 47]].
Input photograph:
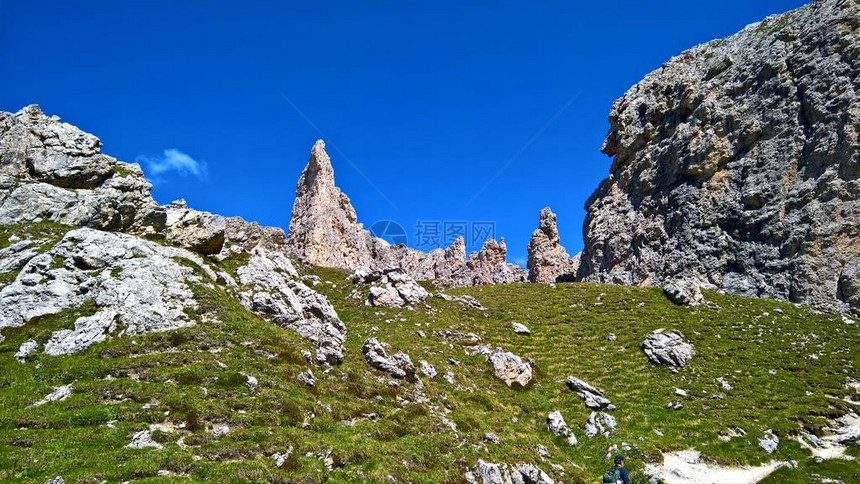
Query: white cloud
[[172, 161]]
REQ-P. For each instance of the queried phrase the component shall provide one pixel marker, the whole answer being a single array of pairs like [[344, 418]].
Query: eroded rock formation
[[324, 231], [52, 171], [737, 163], [548, 260]]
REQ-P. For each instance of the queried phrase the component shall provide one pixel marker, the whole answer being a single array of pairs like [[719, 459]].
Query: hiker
[[617, 474]]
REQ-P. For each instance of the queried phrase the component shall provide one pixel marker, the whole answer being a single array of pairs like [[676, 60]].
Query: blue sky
[[429, 101]]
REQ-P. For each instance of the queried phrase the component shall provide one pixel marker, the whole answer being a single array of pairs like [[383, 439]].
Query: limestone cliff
[[737, 162]]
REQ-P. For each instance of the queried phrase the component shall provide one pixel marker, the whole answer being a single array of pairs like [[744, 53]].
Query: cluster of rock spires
[[324, 231], [52, 171]]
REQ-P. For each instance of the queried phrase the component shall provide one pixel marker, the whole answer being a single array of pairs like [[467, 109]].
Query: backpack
[[612, 476]]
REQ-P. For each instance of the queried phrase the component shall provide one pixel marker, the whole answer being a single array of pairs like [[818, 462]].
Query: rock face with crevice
[[548, 260], [324, 231], [737, 163]]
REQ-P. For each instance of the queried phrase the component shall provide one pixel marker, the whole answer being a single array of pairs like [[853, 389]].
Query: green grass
[[129, 383]]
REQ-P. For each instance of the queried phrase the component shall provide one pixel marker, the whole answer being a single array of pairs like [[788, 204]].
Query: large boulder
[[668, 348], [202, 232], [684, 292], [736, 163]]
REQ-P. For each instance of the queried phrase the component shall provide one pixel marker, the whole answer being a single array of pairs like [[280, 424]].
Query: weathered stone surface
[[60, 174], [737, 163], [556, 424], [194, 230], [136, 284], [510, 368], [143, 440], [600, 423], [398, 365], [684, 292], [593, 398], [769, 442], [392, 287], [668, 348], [487, 473], [427, 369], [59, 394], [270, 287], [520, 328], [548, 260], [324, 231], [849, 284], [26, 349]]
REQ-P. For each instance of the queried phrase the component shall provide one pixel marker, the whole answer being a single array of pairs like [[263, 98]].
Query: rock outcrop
[[556, 424], [391, 287], [548, 260], [52, 171], [737, 163], [487, 473], [324, 231]]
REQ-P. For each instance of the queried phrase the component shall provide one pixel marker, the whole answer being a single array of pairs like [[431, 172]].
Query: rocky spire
[[548, 260], [324, 230]]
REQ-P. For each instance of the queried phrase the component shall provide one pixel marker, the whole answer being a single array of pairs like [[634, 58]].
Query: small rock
[[520, 328], [26, 349], [143, 440], [307, 377], [769, 442], [668, 348]]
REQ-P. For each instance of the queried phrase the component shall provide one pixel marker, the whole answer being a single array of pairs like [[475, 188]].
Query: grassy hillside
[[183, 383]]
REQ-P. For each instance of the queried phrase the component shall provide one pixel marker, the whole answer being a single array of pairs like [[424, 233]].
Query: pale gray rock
[[270, 288], [556, 424], [201, 232], [13, 257], [398, 365], [520, 328], [61, 175], [684, 293], [307, 377], [394, 288], [143, 440], [487, 473], [591, 396], [849, 284], [59, 394], [26, 349], [324, 230], [510, 368], [668, 348], [736, 163], [548, 260], [56, 480], [88, 331], [137, 285], [769, 442], [427, 369], [600, 423]]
